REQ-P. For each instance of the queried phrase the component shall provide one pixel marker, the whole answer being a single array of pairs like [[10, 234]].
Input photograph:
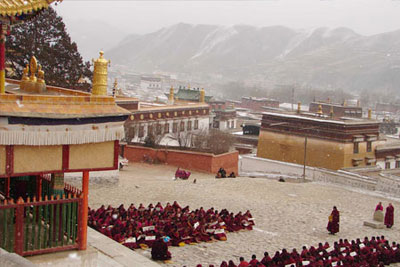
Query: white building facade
[[166, 123]]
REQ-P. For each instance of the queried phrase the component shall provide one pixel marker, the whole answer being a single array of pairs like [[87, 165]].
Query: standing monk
[[389, 216], [333, 224]]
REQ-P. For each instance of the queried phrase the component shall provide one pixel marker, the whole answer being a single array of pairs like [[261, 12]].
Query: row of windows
[[356, 149], [387, 164], [165, 129]]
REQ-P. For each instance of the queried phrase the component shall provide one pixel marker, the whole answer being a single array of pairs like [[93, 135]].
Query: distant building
[[165, 121], [225, 115], [254, 103], [190, 94], [385, 107], [338, 110], [330, 143], [388, 154], [251, 129], [150, 83]]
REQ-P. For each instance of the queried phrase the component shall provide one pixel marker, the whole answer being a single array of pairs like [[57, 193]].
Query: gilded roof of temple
[[51, 106], [19, 7]]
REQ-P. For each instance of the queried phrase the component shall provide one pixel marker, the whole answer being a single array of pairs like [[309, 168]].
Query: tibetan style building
[[225, 115], [45, 132], [338, 110], [165, 120], [331, 143], [190, 95]]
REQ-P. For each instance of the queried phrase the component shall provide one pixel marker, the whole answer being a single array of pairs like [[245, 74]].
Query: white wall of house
[[144, 84], [227, 124], [391, 163], [203, 124]]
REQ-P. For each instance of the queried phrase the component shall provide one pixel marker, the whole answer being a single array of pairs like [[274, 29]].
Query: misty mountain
[[94, 36], [324, 58]]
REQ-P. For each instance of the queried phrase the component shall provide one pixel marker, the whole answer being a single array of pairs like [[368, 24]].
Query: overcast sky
[[364, 16]]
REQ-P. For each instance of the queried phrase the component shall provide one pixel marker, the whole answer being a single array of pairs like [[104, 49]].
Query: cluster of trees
[[46, 38], [213, 140]]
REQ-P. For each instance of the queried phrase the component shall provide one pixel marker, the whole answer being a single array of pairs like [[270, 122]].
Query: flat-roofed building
[[339, 110], [330, 142]]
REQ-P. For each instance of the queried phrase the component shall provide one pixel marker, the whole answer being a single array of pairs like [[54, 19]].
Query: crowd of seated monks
[[140, 227], [376, 251]]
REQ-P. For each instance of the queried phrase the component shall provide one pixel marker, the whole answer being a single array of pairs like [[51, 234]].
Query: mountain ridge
[[322, 57]]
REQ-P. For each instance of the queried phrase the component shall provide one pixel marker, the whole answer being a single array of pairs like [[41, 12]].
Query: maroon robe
[[389, 216], [160, 251], [333, 224]]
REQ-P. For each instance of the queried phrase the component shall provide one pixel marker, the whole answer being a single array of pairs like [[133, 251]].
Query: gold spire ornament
[[171, 96], [33, 65], [100, 75], [32, 83], [202, 95], [25, 75], [320, 110], [40, 78]]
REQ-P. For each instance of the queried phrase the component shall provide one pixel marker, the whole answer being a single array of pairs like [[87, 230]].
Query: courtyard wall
[[191, 160]]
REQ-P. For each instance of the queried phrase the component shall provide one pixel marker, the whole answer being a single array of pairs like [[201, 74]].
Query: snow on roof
[[289, 106], [320, 118]]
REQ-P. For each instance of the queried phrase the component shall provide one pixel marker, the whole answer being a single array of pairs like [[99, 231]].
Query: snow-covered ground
[[287, 215]]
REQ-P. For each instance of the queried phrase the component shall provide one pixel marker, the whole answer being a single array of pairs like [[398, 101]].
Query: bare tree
[[154, 137], [184, 139], [129, 133], [219, 142]]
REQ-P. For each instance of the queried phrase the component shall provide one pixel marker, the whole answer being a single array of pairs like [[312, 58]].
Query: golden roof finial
[[171, 94], [100, 75], [33, 65], [40, 75], [202, 95], [320, 110], [331, 112], [25, 75]]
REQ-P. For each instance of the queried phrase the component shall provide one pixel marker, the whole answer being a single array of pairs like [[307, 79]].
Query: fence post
[[19, 227], [83, 212]]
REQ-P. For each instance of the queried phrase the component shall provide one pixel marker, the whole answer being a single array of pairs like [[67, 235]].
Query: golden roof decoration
[[19, 7]]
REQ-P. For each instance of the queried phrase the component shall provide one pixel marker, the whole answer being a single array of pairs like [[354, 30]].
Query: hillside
[[324, 58]]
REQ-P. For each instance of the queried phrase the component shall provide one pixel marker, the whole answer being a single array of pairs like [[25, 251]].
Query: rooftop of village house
[[319, 117]]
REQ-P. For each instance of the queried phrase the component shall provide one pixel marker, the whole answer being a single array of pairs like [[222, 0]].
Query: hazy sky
[[364, 16]]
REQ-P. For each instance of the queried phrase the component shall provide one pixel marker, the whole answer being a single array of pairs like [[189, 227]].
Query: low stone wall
[[94, 177], [190, 160], [252, 165], [389, 183]]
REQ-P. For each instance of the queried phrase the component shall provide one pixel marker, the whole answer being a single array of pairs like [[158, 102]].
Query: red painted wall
[[190, 160]]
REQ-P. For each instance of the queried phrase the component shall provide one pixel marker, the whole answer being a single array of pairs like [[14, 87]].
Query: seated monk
[[159, 251], [232, 175], [221, 173]]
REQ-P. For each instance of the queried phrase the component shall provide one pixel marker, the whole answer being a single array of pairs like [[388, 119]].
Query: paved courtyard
[[287, 215]]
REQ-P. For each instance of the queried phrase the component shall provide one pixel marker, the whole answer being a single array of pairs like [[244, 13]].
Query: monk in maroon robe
[[389, 215], [333, 224], [160, 251], [379, 206]]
